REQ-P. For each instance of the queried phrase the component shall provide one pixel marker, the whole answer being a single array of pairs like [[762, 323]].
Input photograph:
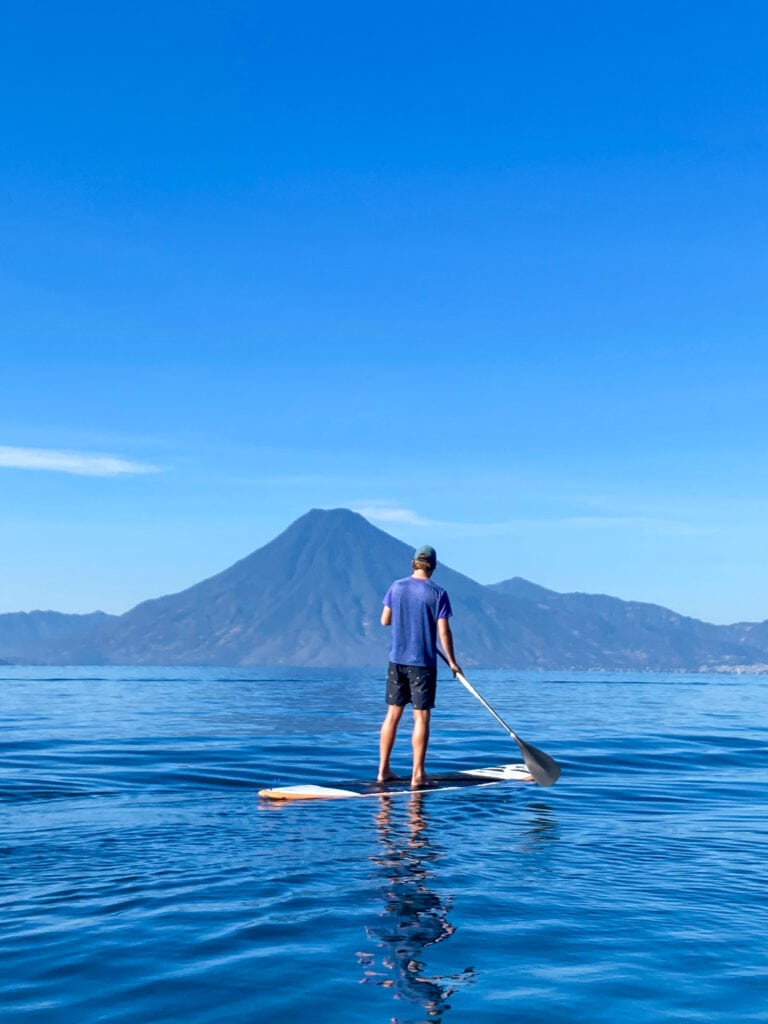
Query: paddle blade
[[544, 769]]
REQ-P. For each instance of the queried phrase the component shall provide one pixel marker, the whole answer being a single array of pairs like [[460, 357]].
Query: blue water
[[144, 881]]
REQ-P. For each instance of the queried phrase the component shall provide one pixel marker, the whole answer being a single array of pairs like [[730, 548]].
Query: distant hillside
[[637, 633], [312, 596], [22, 632]]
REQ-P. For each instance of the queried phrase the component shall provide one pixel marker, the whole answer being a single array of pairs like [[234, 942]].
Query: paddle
[[544, 769]]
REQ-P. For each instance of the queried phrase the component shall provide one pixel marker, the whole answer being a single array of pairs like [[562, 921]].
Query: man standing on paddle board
[[418, 611]]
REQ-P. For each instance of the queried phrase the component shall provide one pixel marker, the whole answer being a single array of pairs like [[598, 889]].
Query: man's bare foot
[[420, 782], [389, 777]]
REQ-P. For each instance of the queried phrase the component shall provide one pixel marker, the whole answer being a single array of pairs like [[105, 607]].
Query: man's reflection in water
[[414, 916]]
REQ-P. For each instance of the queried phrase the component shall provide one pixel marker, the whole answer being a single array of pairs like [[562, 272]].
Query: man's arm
[[386, 616], [446, 640]]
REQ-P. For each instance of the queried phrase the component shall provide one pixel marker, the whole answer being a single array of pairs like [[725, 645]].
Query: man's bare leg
[[387, 741], [419, 742]]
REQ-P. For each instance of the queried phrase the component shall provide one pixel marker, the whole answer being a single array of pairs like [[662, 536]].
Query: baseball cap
[[425, 554]]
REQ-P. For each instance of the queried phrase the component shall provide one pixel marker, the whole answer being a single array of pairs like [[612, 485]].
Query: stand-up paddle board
[[450, 780]]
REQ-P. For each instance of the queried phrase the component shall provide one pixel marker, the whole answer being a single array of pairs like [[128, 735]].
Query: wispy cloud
[[390, 512], [79, 463], [384, 512]]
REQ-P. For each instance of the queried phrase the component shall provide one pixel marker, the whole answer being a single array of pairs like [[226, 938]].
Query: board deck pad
[[447, 780]]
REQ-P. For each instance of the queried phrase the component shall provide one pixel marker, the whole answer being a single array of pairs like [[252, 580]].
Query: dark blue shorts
[[411, 684]]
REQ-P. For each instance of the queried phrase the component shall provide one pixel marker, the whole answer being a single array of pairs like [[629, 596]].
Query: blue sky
[[494, 276]]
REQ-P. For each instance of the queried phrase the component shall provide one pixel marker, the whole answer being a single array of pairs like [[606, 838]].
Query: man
[[418, 611]]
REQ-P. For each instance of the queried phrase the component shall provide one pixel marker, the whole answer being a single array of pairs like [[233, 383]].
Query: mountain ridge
[[312, 597], [22, 630]]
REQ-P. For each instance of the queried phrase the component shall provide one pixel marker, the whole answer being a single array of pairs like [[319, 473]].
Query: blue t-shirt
[[416, 606]]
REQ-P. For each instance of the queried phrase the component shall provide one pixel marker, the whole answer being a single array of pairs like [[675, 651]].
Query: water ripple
[[144, 880]]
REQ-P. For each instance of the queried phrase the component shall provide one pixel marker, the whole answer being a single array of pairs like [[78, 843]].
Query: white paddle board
[[449, 780]]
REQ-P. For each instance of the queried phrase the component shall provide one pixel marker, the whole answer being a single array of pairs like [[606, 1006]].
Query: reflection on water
[[413, 916], [541, 826]]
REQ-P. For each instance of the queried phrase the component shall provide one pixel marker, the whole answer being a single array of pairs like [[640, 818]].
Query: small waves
[[144, 880]]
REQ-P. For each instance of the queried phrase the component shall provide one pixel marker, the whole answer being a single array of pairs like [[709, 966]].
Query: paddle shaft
[[465, 682], [544, 769]]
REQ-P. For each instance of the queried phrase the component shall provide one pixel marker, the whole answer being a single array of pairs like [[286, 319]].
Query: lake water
[[144, 880]]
